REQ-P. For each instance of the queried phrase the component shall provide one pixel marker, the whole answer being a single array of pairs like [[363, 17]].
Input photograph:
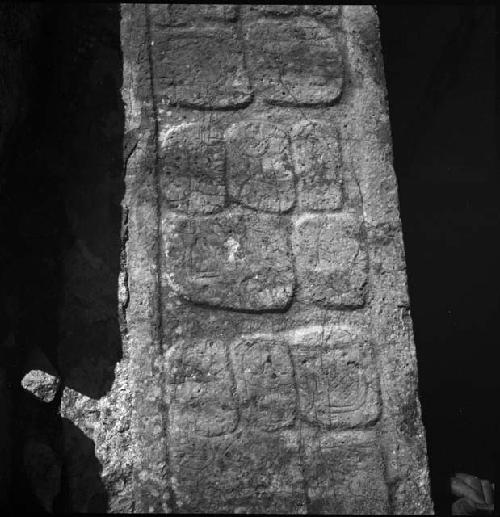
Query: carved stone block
[[239, 260], [181, 15], [192, 169], [200, 68], [200, 390], [280, 10], [317, 160], [322, 11], [247, 472], [336, 381], [331, 260], [260, 173], [264, 380], [294, 62], [345, 474]]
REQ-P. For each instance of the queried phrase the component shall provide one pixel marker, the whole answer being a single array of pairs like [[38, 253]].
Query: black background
[[440, 73]]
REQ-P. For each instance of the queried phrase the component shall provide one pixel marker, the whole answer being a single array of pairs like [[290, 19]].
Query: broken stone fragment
[[41, 384]]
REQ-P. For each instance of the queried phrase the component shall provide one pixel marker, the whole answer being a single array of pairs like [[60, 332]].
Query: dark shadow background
[[440, 72], [61, 227]]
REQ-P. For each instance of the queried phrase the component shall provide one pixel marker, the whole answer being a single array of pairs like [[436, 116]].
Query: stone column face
[[269, 363]]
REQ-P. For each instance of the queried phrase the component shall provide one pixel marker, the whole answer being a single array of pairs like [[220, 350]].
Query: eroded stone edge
[[402, 434]]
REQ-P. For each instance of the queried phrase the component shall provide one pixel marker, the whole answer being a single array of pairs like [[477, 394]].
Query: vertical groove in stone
[[159, 337]]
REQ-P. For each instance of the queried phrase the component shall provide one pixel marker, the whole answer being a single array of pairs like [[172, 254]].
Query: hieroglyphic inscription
[[260, 173], [181, 15], [265, 381], [201, 397], [200, 68], [272, 388], [237, 260], [345, 474], [336, 381], [318, 163], [192, 161], [331, 259], [294, 62]]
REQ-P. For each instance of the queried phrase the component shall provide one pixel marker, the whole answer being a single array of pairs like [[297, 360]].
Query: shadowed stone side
[[268, 352]]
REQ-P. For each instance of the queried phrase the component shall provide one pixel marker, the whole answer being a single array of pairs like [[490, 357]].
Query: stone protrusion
[[331, 260], [237, 260], [294, 61], [260, 172], [41, 384], [200, 68]]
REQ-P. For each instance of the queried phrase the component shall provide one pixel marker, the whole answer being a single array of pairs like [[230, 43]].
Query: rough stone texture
[[237, 260], [41, 384], [294, 62], [268, 361]]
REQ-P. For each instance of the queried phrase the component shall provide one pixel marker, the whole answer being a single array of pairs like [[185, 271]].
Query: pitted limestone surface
[[268, 352], [294, 62]]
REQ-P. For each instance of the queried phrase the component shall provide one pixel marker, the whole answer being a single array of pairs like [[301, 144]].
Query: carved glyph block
[[200, 68], [264, 381], [294, 62], [200, 390], [239, 260], [330, 259], [322, 11], [345, 474], [317, 160], [192, 168], [336, 380], [181, 15], [246, 472], [260, 173]]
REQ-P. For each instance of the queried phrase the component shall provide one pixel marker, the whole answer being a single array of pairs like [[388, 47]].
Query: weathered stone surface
[[250, 472], [180, 15], [344, 474], [268, 364], [237, 260], [318, 161], [279, 10], [41, 384], [193, 169], [331, 260], [322, 11], [260, 173], [200, 68], [201, 390], [336, 377], [266, 387], [294, 62]]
